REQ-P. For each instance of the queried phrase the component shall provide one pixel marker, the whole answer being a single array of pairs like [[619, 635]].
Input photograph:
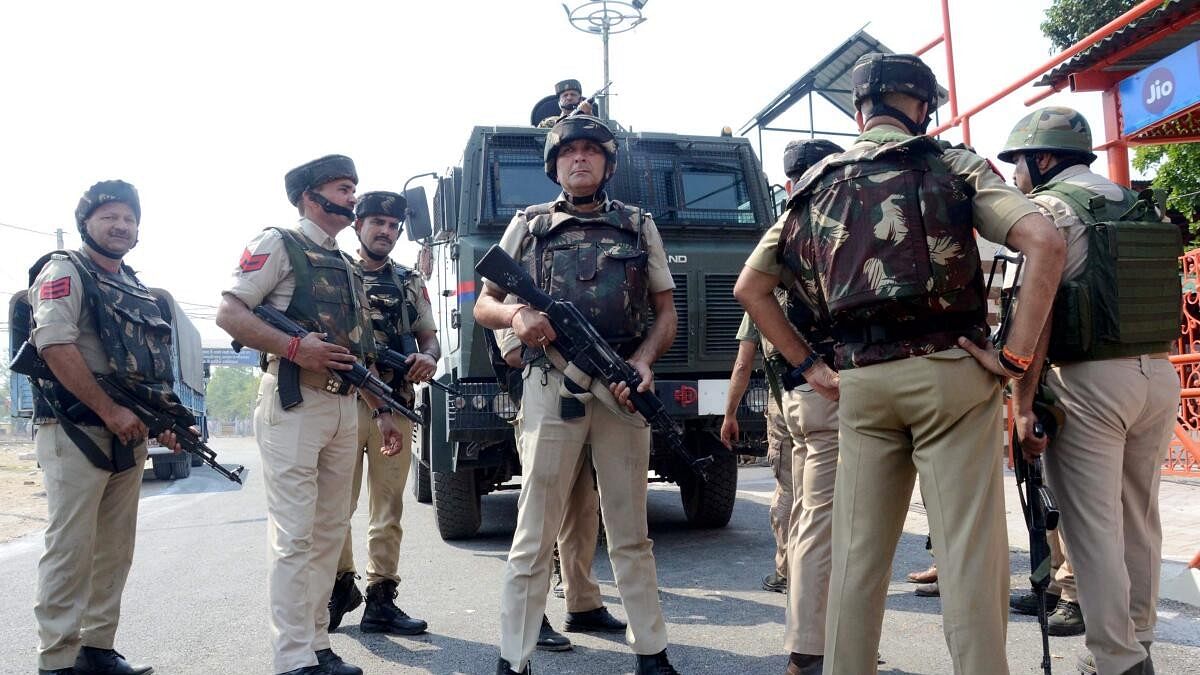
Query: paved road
[[196, 601]]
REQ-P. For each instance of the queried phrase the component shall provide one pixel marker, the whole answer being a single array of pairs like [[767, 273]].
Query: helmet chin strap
[[329, 206], [1037, 177], [95, 246], [915, 128], [371, 254]]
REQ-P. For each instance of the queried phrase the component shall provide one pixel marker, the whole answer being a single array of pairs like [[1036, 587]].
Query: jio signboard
[[1161, 90]]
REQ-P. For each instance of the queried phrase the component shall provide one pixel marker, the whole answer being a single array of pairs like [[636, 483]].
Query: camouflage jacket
[[393, 308], [881, 243]]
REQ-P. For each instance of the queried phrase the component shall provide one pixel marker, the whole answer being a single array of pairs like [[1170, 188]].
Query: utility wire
[[29, 229]]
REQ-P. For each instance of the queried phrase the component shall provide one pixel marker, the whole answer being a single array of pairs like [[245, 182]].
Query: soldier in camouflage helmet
[[92, 316], [608, 259], [1119, 403], [906, 324], [569, 93], [307, 435], [403, 321]]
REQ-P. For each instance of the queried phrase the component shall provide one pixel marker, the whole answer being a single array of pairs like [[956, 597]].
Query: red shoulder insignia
[[253, 263], [53, 290]]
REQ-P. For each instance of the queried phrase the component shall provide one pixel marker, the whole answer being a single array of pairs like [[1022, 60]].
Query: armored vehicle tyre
[[711, 203]]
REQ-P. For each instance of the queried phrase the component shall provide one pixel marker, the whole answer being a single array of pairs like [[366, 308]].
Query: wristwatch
[[385, 410]]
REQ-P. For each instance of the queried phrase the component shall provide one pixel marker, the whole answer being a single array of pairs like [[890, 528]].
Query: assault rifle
[[398, 363], [358, 376], [1041, 516], [579, 343], [591, 101], [157, 420]]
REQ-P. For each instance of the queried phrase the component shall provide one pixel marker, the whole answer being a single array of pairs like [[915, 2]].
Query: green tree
[[231, 394], [1069, 21]]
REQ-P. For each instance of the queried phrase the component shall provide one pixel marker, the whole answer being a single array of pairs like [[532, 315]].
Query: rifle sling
[[122, 455]]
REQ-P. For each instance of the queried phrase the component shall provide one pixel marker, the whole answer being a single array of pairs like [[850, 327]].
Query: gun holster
[[570, 405]]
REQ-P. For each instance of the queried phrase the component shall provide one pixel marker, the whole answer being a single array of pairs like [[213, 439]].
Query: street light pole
[[604, 18]]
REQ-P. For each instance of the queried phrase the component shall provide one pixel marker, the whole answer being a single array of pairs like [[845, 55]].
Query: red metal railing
[[1183, 454]]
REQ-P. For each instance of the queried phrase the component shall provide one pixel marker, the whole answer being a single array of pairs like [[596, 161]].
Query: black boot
[[93, 661], [345, 598], [310, 670], [594, 620], [56, 671], [655, 664], [335, 664], [550, 640], [1027, 603], [805, 664], [383, 616], [505, 668]]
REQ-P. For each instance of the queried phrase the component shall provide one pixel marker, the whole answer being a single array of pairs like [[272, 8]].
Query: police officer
[[403, 321], [92, 316], [576, 544], [569, 93], [779, 446], [629, 278], [907, 323], [1120, 396], [308, 447]]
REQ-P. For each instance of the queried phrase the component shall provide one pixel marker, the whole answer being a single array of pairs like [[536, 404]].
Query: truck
[[190, 379], [711, 202]]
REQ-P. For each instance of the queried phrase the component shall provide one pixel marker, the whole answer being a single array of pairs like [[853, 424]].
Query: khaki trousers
[[939, 416], [577, 543], [92, 520], [552, 458], [1062, 581], [779, 456], [386, 478], [813, 422], [1105, 467], [308, 456]]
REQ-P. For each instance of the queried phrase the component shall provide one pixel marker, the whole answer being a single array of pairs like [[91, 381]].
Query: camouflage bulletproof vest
[[1128, 299], [393, 313], [130, 322], [329, 295], [598, 262], [880, 239]]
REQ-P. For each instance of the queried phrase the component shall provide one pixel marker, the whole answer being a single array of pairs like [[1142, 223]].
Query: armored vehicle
[[711, 202]]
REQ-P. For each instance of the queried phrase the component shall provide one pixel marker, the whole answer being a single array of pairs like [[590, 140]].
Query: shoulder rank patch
[[53, 290], [253, 263]]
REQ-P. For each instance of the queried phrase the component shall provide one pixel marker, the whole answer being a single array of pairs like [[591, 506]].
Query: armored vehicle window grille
[[694, 190], [516, 177], [722, 314], [678, 353]]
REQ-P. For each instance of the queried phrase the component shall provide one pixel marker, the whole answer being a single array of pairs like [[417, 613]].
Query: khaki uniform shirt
[[997, 206], [265, 271], [62, 317]]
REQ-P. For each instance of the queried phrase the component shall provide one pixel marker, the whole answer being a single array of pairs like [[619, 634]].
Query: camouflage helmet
[[574, 128], [107, 191], [878, 73], [567, 85], [381, 204], [1052, 129], [798, 156], [314, 174]]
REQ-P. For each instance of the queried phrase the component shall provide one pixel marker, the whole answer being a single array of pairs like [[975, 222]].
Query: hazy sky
[[205, 105]]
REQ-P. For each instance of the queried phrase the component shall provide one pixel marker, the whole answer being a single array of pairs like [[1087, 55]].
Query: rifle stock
[[580, 344], [27, 362], [1041, 515]]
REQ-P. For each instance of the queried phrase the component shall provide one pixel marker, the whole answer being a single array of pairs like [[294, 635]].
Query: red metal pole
[[966, 130], [1118, 152], [1104, 31], [932, 43]]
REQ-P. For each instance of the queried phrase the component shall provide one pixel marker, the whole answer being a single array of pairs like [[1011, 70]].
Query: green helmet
[[1053, 129], [574, 128]]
